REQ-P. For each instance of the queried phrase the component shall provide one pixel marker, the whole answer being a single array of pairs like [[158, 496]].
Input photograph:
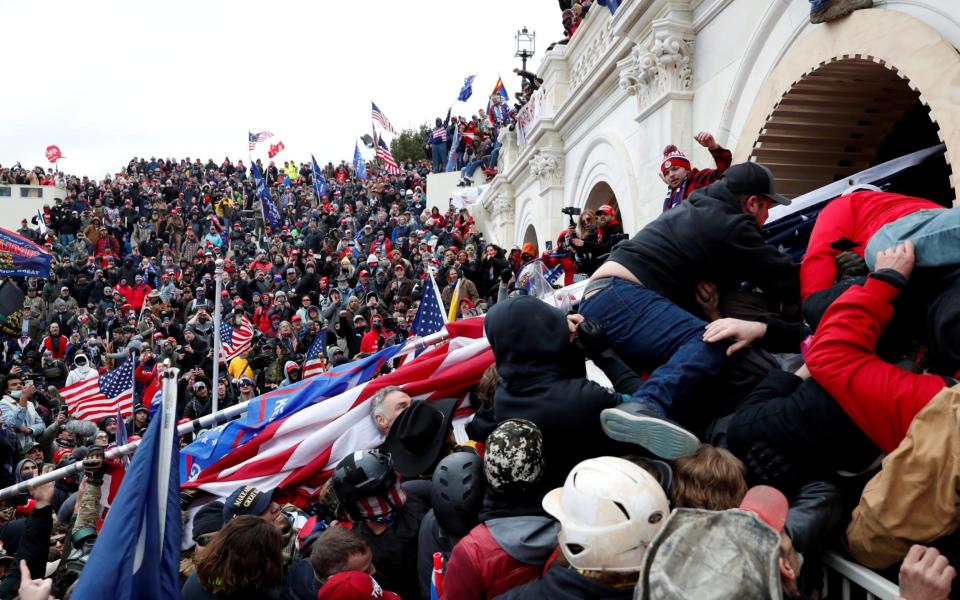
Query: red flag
[[275, 149], [54, 154]]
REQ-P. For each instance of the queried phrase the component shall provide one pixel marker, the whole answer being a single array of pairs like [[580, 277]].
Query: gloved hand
[[93, 465], [850, 265], [592, 338], [768, 466]]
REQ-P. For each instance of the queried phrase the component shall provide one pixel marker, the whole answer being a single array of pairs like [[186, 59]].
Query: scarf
[[383, 509]]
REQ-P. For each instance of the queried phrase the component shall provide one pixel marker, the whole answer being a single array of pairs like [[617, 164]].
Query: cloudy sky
[[110, 79]]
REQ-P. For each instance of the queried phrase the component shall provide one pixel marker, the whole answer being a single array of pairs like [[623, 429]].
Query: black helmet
[[360, 475], [457, 492]]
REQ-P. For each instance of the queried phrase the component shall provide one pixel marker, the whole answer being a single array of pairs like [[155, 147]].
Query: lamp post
[[217, 316], [525, 42]]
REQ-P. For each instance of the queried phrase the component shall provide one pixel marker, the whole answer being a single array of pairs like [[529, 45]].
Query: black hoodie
[[543, 380], [708, 237]]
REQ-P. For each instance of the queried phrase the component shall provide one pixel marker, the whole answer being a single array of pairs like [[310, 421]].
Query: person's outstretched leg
[[644, 325]]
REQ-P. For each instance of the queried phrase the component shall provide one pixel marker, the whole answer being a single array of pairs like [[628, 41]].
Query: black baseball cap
[[246, 500], [752, 178]]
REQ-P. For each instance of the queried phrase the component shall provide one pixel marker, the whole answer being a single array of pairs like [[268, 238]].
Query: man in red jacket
[[137, 293], [515, 537], [848, 223], [914, 418], [880, 397]]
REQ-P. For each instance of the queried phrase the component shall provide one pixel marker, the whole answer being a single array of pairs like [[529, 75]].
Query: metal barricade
[[847, 580]]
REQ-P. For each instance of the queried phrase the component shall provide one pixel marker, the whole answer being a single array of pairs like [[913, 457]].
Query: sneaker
[[633, 423]]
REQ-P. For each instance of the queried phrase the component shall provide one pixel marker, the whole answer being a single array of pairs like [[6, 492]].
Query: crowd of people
[[746, 406]]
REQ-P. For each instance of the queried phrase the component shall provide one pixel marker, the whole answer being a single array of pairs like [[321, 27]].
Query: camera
[[571, 212]]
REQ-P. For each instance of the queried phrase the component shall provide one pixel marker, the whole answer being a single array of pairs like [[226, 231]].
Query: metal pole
[[218, 274], [204, 422]]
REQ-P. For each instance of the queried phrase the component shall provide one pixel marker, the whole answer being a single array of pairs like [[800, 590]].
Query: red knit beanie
[[672, 157]]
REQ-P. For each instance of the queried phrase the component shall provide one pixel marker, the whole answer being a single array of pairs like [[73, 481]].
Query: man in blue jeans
[[644, 294]]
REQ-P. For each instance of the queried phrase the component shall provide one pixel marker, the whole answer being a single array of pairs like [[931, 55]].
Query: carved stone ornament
[[502, 207], [663, 66], [547, 167]]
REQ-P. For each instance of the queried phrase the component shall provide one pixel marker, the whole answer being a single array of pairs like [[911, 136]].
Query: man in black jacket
[[643, 294]]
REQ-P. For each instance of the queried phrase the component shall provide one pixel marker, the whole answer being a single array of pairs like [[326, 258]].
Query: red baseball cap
[[607, 209], [768, 503], [354, 585]]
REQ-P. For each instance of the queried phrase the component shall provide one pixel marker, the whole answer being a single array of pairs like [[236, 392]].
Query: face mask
[[16, 395]]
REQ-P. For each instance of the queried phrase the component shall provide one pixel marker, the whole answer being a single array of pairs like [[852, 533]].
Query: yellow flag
[[454, 301]]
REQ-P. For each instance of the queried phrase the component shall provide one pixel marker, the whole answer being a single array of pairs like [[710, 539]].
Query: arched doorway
[[845, 116], [530, 237], [600, 194]]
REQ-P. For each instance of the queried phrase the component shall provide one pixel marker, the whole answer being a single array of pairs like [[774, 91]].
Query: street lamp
[[526, 44]]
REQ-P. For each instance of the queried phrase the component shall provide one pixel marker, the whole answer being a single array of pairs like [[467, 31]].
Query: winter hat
[[673, 157], [513, 462], [530, 248], [290, 366], [208, 519]]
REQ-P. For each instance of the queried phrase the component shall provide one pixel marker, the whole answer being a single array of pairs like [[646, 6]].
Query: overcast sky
[[108, 80]]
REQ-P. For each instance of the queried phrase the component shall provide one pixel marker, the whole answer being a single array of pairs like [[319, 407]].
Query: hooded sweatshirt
[[508, 549], [543, 380]]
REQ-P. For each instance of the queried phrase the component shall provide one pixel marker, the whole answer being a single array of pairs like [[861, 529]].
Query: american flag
[[297, 454], [313, 363], [430, 315], [102, 396], [234, 342], [379, 117], [439, 133], [383, 153], [258, 137]]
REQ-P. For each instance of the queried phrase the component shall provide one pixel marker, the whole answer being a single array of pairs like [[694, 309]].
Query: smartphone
[[549, 245]]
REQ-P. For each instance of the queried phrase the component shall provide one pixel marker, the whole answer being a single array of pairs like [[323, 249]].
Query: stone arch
[[607, 162], [526, 222], [601, 193], [902, 46], [530, 236]]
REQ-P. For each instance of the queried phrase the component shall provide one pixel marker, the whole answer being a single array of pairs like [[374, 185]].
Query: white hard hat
[[609, 509]]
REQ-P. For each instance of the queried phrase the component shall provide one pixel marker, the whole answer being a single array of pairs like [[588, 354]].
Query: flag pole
[[168, 437], [214, 418], [217, 312]]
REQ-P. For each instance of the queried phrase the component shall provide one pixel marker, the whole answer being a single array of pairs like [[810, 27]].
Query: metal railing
[[855, 581]]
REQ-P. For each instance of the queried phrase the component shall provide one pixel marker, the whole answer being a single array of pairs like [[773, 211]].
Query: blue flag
[[613, 5], [19, 257], [467, 90], [137, 554], [359, 166], [212, 445], [319, 181], [270, 214], [122, 436]]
